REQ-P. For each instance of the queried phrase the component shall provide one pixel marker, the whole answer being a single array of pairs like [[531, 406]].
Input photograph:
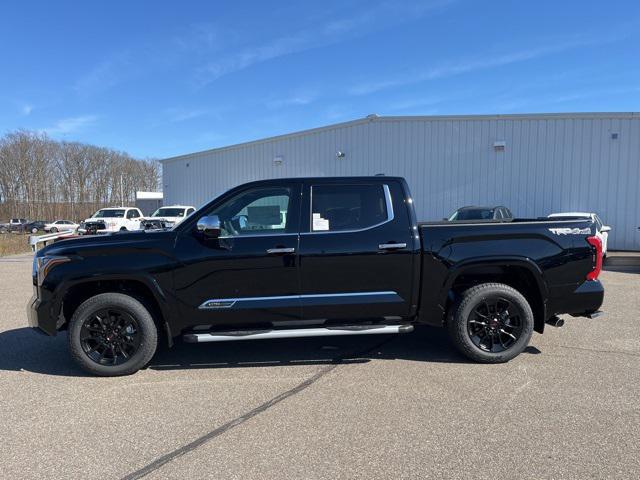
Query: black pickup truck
[[309, 257]]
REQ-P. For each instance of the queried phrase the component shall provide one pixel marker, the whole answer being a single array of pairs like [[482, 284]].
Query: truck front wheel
[[112, 334], [492, 323]]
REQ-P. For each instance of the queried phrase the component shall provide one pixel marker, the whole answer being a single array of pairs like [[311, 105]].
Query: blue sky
[[159, 79]]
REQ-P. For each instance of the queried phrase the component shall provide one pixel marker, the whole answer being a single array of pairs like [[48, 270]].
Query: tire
[[53, 230], [131, 348], [123, 229], [34, 230], [484, 330]]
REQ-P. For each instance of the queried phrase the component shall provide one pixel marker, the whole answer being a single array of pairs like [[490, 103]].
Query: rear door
[[356, 251]]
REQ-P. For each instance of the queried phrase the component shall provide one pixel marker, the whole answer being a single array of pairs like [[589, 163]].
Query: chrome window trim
[[223, 303], [258, 235], [388, 202], [492, 222]]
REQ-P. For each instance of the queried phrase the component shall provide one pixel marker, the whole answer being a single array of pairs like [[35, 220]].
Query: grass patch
[[12, 243]]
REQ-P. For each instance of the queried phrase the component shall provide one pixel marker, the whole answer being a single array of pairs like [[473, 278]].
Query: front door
[[357, 252], [249, 275]]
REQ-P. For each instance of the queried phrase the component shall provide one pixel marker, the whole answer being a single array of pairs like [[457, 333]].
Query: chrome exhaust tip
[[555, 321]]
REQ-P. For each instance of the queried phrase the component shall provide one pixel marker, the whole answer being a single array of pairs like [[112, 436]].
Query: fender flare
[[498, 261], [148, 281]]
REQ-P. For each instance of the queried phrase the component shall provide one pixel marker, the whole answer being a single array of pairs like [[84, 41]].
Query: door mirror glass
[[605, 228], [209, 226]]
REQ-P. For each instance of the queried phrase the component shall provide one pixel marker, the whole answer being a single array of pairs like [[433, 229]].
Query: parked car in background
[[174, 213], [481, 213], [34, 226], [60, 225], [155, 224], [14, 225], [602, 230], [112, 219]]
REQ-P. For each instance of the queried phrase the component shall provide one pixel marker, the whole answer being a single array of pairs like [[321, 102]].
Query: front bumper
[[40, 316]]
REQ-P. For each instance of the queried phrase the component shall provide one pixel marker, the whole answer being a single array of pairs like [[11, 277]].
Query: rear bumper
[[585, 300]]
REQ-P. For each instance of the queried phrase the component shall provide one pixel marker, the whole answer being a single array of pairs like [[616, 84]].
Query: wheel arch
[[520, 273], [144, 289]]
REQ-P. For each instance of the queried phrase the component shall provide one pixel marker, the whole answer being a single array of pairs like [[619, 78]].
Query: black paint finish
[[325, 276]]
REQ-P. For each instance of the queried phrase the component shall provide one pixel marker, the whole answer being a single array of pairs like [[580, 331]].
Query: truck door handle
[[275, 251], [392, 246]]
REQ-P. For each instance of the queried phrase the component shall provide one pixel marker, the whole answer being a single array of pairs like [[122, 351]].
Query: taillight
[[597, 268]]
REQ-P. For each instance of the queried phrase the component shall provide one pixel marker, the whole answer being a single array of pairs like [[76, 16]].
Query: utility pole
[[121, 191]]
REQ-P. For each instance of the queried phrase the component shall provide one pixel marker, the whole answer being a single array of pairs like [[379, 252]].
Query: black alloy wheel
[[491, 323], [110, 336], [495, 324]]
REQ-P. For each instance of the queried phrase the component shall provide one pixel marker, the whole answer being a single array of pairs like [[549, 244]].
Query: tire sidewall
[[459, 323], [146, 324]]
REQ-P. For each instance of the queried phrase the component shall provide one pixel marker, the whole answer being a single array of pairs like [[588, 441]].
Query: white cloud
[[295, 99], [26, 109], [177, 115], [104, 75], [371, 18], [71, 125], [446, 70]]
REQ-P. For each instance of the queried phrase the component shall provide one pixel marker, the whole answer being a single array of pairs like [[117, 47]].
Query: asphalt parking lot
[[354, 407]]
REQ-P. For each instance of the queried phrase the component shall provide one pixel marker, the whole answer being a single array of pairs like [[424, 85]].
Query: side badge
[[570, 231]]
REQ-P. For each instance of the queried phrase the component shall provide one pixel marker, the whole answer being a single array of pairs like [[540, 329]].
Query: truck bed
[[553, 253]]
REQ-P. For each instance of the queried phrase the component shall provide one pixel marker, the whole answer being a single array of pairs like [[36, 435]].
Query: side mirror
[[209, 226], [605, 228]]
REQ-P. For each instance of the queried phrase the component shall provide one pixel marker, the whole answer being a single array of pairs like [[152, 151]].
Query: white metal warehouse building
[[534, 164]]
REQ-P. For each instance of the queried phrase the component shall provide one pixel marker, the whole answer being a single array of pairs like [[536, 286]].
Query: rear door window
[[336, 208]]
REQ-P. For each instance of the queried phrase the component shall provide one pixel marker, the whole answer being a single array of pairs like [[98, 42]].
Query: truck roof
[[116, 208]]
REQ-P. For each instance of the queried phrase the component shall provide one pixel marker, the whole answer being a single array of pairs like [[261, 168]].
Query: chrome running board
[[232, 336]]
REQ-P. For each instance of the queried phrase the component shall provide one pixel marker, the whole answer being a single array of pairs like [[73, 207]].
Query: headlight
[[43, 265]]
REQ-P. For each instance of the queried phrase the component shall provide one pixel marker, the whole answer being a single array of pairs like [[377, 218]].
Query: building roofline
[[396, 118]]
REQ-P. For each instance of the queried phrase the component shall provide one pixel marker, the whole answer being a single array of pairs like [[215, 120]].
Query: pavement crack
[[200, 441], [595, 350]]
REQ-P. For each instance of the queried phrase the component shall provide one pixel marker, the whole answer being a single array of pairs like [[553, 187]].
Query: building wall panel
[[551, 163]]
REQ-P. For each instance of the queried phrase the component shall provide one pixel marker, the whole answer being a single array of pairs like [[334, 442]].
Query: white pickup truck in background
[[113, 219], [174, 213]]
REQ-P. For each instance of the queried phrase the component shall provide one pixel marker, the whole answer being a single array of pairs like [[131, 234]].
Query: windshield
[[169, 212], [472, 214], [109, 214]]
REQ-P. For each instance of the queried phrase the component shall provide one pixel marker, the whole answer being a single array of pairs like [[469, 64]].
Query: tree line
[[44, 179]]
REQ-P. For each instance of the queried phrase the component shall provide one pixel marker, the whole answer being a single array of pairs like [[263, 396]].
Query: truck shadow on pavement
[[425, 344], [23, 349]]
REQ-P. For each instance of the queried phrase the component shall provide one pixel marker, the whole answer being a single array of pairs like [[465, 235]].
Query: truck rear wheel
[[112, 334], [492, 323]]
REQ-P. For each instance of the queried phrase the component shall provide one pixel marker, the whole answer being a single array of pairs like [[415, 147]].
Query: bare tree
[[44, 179]]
